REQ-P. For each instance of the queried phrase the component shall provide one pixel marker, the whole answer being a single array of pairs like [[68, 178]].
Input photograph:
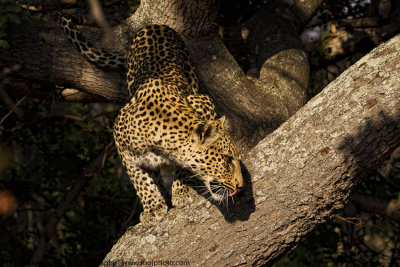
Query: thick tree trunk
[[300, 176]]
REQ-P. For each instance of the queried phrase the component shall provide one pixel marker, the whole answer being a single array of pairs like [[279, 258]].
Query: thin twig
[[13, 109], [96, 165], [353, 220]]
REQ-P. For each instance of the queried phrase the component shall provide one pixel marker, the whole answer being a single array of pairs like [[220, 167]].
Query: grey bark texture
[[301, 175]]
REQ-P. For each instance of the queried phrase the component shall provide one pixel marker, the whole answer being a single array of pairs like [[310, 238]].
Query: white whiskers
[[216, 189], [193, 176]]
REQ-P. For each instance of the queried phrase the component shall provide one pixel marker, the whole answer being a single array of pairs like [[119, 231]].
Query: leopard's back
[[157, 51]]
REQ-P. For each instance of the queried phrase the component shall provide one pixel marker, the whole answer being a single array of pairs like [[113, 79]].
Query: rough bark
[[301, 174], [281, 69]]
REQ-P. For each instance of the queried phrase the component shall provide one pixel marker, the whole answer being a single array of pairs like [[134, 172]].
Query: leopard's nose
[[239, 181]]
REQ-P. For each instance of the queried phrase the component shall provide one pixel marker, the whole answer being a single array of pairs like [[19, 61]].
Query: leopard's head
[[211, 155]]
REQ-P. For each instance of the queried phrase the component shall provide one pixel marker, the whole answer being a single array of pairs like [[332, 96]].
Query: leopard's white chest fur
[[156, 162]]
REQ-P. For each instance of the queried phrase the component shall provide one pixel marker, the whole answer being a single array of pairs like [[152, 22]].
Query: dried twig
[[96, 165], [6, 98], [14, 107], [353, 220]]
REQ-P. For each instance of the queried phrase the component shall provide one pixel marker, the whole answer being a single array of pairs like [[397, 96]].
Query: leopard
[[168, 133]]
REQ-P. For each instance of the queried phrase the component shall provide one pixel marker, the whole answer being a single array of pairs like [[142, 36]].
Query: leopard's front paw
[[181, 201], [154, 215], [182, 197]]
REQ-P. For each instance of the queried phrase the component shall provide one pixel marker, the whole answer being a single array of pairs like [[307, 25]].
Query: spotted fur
[[168, 132]]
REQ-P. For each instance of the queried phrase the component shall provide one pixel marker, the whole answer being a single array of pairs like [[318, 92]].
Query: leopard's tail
[[97, 56]]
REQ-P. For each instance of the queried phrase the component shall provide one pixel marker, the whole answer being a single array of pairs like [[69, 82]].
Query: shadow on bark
[[243, 205], [358, 147]]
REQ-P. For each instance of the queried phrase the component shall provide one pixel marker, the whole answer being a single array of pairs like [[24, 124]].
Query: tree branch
[[48, 57], [281, 67], [301, 175]]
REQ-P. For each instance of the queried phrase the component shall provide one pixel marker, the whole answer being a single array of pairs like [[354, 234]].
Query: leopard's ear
[[222, 120], [206, 133], [226, 124]]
